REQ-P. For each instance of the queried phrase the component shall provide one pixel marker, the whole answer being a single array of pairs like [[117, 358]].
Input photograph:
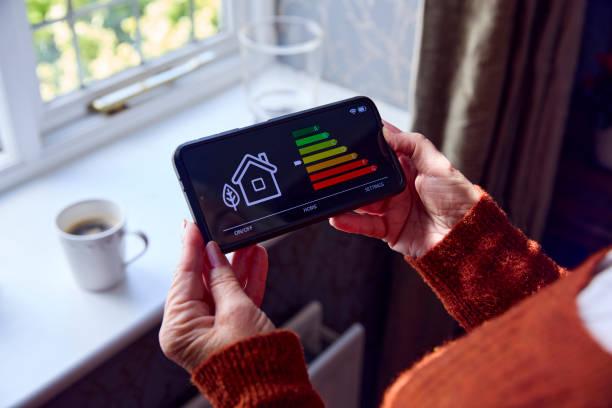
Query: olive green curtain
[[492, 89]]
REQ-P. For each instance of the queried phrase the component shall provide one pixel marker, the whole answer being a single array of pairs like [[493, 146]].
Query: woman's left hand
[[207, 308]]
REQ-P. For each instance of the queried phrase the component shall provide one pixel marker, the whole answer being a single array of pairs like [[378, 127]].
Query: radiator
[[337, 359]]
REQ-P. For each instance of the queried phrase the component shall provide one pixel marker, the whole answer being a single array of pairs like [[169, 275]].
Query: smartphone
[[251, 184]]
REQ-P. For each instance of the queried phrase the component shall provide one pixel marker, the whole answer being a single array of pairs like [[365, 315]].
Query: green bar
[[313, 138], [324, 155], [318, 146], [305, 131]]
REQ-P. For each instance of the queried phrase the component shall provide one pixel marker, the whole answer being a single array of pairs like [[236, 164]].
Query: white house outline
[[261, 162]]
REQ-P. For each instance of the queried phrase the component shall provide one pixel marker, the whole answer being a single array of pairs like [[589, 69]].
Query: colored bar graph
[[312, 139], [337, 170], [305, 131], [332, 165], [329, 163], [344, 177], [324, 155], [318, 146]]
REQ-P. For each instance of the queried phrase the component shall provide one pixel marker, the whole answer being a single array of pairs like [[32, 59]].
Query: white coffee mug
[[97, 259]]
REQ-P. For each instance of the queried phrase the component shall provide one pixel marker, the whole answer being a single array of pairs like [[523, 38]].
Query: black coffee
[[89, 227]]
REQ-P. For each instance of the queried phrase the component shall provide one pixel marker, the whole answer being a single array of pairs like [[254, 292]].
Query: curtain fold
[[492, 89]]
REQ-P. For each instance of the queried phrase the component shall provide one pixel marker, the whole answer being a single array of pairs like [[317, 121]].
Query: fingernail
[[392, 128], [184, 230], [215, 256]]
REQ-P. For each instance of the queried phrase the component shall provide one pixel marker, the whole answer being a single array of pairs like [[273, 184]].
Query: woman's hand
[[207, 307], [436, 197]]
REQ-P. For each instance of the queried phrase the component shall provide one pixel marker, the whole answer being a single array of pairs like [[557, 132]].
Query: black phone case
[[196, 212]]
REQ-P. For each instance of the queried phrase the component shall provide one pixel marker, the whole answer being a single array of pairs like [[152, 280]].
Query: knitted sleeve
[[484, 266], [266, 370]]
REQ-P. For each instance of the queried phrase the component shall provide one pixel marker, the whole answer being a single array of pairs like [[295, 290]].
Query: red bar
[[345, 177], [337, 170]]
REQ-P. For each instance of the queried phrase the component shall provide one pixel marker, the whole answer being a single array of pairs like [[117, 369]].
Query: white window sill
[[53, 332]]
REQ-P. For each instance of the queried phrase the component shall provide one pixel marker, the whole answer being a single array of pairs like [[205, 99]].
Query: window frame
[[74, 104], [38, 136]]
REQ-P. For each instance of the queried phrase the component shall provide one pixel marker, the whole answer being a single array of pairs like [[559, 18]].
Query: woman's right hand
[[436, 197]]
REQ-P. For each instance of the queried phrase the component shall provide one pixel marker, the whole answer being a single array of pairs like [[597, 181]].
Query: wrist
[[200, 350], [259, 367], [466, 198], [455, 208]]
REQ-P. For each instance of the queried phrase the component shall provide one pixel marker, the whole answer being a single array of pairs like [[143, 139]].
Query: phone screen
[[260, 180]]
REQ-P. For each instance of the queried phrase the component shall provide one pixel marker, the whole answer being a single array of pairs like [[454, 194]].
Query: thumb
[[187, 283], [403, 143], [223, 283]]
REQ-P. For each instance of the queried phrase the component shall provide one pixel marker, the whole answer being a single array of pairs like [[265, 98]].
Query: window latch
[[117, 100]]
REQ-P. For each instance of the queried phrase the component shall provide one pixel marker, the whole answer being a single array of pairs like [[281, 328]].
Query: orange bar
[[344, 177], [338, 170]]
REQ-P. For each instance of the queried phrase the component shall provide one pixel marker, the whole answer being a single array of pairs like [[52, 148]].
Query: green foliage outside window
[[111, 39]]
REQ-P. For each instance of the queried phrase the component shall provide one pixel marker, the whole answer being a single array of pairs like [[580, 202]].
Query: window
[[80, 42], [65, 58], [6, 149]]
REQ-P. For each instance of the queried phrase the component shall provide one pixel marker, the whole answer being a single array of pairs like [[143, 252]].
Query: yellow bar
[[330, 163], [324, 155]]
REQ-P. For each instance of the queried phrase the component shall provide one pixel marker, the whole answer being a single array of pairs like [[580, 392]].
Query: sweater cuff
[[263, 369], [484, 265]]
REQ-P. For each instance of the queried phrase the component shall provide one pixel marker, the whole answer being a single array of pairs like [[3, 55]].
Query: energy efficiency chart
[[327, 163]]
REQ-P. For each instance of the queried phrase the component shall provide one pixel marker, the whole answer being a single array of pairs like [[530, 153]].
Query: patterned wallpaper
[[369, 43]]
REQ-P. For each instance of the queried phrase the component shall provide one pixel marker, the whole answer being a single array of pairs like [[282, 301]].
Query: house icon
[[256, 178]]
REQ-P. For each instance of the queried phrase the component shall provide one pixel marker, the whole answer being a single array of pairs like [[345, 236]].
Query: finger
[[241, 264], [205, 273], [364, 224], [377, 208], [391, 127], [187, 283], [410, 170], [404, 143], [193, 238], [258, 274], [223, 284], [427, 159]]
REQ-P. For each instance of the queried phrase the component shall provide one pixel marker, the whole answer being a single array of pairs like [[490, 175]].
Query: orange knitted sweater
[[522, 348]]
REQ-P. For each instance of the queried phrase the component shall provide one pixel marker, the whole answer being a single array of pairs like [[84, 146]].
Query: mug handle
[[145, 241]]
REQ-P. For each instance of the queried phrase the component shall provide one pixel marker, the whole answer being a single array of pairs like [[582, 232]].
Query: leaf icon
[[230, 197]]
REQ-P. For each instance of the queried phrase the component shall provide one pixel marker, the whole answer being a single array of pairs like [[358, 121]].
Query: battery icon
[[361, 109]]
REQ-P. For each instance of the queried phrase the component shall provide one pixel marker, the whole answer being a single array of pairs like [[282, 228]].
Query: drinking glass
[[281, 64]]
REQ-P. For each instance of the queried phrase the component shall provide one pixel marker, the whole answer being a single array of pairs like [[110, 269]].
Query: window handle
[[117, 100]]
